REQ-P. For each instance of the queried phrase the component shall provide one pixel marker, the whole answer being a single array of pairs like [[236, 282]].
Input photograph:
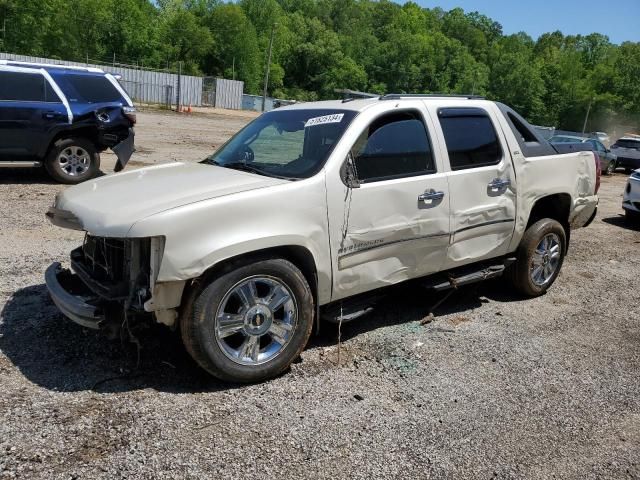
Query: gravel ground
[[495, 387]]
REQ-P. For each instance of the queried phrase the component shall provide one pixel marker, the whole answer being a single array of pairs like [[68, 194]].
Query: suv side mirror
[[349, 173]]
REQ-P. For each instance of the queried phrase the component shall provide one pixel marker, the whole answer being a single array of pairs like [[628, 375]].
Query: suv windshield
[[87, 88], [286, 143]]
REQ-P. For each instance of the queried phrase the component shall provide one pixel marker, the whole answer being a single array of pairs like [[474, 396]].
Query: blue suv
[[62, 118]]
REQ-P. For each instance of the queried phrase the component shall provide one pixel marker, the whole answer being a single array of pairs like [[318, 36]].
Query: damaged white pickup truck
[[311, 206]]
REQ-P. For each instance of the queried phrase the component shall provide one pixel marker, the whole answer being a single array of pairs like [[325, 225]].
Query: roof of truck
[[360, 104]]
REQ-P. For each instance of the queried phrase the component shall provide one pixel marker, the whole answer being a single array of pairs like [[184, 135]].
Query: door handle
[[499, 183], [50, 115], [431, 195]]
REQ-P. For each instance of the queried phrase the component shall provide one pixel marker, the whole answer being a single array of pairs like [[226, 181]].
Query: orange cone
[[189, 109]]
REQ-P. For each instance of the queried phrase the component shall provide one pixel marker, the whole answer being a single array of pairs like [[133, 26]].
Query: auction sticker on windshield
[[335, 118]]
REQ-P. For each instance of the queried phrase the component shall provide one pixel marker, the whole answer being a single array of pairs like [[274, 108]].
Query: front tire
[[251, 322], [73, 160], [611, 168], [539, 258]]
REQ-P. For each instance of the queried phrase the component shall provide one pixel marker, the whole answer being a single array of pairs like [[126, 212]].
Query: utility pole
[[178, 90], [233, 68], [266, 76], [584, 126]]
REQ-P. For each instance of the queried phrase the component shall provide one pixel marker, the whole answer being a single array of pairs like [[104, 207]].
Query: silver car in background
[[608, 160], [602, 137], [627, 150]]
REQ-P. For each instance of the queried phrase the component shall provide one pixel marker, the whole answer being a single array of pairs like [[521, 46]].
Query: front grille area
[[114, 268], [104, 265], [105, 258]]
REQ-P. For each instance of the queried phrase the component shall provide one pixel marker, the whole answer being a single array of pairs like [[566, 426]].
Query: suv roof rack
[[50, 65], [397, 96], [349, 95]]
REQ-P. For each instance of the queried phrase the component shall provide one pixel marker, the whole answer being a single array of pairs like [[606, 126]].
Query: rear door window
[[470, 137], [23, 87], [88, 88]]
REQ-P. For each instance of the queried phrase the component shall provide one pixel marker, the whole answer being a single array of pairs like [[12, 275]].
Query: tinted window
[[88, 88], [470, 137], [393, 146], [49, 94], [26, 87], [628, 143]]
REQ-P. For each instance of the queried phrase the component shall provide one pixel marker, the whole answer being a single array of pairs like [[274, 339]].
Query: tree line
[[320, 45]]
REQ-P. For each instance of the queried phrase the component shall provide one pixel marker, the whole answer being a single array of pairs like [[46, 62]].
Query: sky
[[618, 19]]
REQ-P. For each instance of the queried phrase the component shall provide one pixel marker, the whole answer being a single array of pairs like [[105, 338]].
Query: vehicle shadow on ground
[[19, 176], [413, 303], [28, 176], [620, 221], [54, 353]]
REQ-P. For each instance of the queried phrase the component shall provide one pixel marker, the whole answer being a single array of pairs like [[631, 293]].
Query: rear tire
[[73, 160], [539, 258], [251, 322]]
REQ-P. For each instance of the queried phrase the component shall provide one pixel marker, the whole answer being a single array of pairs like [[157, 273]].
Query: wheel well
[[556, 207], [299, 256], [90, 133]]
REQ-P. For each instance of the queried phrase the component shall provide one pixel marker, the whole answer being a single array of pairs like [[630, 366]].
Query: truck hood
[[110, 205]]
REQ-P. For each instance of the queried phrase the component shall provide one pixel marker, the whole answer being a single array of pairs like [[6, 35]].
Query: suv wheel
[[611, 168], [539, 257], [73, 160], [250, 323]]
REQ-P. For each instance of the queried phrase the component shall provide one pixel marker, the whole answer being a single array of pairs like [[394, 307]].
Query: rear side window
[[470, 137], [88, 88], [628, 143], [26, 87], [394, 146]]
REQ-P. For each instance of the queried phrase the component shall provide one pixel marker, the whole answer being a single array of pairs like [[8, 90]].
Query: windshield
[[286, 143]]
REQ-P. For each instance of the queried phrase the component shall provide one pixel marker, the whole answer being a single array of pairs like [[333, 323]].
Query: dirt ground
[[495, 387]]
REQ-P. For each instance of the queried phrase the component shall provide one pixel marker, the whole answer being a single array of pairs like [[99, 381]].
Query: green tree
[[235, 50]]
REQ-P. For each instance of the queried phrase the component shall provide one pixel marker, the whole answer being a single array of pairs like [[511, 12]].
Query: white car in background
[[631, 198], [602, 137]]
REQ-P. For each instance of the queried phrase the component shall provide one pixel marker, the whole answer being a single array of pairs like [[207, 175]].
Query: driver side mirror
[[349, 173]]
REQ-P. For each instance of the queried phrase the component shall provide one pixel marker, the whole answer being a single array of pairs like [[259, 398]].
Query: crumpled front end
[[111, 280]]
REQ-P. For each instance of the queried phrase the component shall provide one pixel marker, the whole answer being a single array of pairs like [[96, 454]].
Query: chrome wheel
[[546, 259], [255, 320], [74, 161]]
